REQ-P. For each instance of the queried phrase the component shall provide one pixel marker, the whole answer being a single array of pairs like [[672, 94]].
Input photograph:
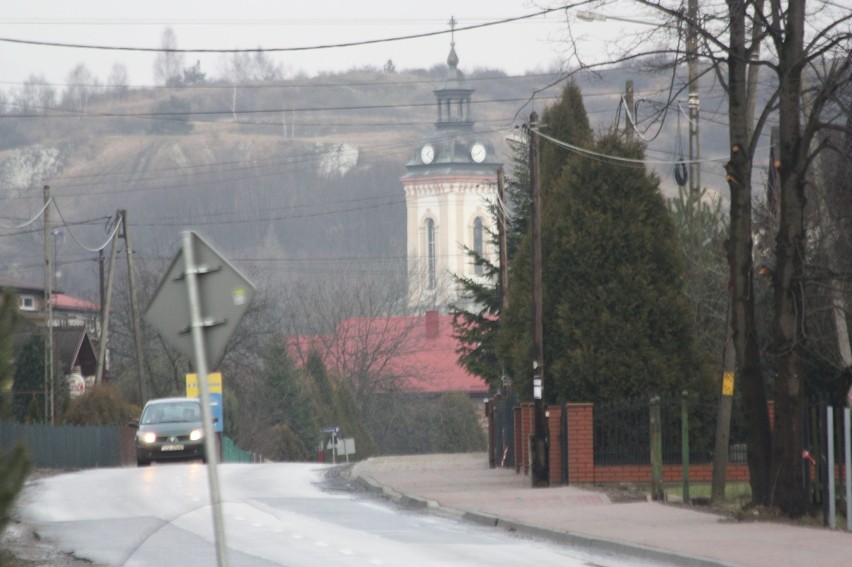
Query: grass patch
[[735, 492]]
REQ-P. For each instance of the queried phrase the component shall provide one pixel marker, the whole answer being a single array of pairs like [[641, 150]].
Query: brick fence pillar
[[554, 452], [581, 443]]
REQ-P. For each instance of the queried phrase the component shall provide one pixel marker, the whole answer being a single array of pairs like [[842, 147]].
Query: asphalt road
[[274, 514]]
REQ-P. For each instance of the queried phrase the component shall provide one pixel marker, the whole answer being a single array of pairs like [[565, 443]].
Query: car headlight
[[149, 437], [196, 434]]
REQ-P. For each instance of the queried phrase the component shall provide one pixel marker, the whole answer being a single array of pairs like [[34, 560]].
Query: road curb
[[582, 542]]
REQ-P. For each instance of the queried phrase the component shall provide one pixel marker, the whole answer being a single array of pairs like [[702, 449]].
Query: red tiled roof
[[62, 301], [420, 351]]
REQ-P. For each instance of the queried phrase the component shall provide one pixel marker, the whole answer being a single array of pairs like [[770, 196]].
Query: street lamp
[[692, 64], [587, 16]]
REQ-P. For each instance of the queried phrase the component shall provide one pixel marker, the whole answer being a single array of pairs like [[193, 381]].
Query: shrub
[[102, 404]]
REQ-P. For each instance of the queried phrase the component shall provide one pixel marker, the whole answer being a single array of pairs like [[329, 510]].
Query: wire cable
[[286, 49], [32, 220], [592, 153], [116, 224]]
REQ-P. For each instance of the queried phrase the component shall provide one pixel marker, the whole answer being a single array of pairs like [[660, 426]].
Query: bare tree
[[118, 81], [24, 97], [80, 86], [34, 95], [735, 39], [168, 64], [358, 323], [241, 68]]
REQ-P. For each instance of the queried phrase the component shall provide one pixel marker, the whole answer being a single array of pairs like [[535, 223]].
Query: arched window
[[478, 245], [430, 251]]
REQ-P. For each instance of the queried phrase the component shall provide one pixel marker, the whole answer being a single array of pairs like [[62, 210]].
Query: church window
[[430, 251], [478, 248]]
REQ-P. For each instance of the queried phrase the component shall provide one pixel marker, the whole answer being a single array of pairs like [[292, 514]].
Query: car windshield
[[171, 412]]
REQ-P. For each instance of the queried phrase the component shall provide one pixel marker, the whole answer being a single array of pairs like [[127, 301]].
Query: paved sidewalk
[[465, 485]]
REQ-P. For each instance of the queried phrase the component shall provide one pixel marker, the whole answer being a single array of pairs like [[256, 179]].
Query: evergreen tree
[[337, 405], [287, 405], [701, 228], [615, 321], [15, 466], [477, 328], [8, 323], [28, 388]]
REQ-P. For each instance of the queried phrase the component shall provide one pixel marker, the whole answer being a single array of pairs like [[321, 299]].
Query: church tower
[[450, 186]]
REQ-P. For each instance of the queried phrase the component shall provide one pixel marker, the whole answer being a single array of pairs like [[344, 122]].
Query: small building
[[414, 354], [68, 311], [75, 322]]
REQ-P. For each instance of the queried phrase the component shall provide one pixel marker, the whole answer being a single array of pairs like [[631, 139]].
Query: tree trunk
[[743, 321], [787, 469]]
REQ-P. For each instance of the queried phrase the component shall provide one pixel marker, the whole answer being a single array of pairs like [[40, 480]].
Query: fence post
[[829, 422], [847, 429], [656, 450], [684, 443]]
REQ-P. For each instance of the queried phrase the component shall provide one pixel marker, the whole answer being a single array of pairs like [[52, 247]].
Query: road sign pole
[[197, 325]]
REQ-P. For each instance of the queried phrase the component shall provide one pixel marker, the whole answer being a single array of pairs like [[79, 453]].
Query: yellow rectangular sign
[[728, 384], [214, 384]]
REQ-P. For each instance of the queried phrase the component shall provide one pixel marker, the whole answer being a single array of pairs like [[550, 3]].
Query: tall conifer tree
[[615, 323]]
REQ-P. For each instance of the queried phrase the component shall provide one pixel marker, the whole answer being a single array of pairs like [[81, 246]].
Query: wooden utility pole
[[501, 235], [48, 304], [723, 419], [99, 375], [692, 65], [134, 308], [628, 103], [539, 452]]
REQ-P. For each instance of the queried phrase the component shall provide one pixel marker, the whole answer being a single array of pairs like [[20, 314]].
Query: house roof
[[71, 303], [67, 342], [20, 285], [420, 351], [60, 300]]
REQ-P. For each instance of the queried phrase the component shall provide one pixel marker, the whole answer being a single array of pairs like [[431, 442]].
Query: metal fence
[[622, 432], [504, 429], [233, 454], [65, 446], [89, 446]]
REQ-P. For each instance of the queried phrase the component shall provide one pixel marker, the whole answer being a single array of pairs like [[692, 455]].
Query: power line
[[621, 159], [230, 112], [285, 49], [279, 85], [31, 221]]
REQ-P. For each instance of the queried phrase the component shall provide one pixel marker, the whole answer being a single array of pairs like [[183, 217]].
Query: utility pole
[[539, 448], [134, 308], [628, 103], [501, 235], [48, 304], [723, 415], [99, 375], [692, 65]]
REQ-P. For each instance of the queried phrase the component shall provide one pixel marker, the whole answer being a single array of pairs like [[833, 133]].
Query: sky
[[535, 44]]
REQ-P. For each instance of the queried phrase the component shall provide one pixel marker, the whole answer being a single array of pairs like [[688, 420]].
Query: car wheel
[[142, 463]]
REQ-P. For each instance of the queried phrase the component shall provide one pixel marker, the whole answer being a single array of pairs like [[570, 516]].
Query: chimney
[[431, 324]]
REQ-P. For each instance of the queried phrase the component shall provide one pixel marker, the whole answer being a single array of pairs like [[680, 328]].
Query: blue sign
[[216, 412]]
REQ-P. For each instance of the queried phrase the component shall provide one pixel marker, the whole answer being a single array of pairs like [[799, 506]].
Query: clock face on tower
[[427, 154], [477, 152]]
